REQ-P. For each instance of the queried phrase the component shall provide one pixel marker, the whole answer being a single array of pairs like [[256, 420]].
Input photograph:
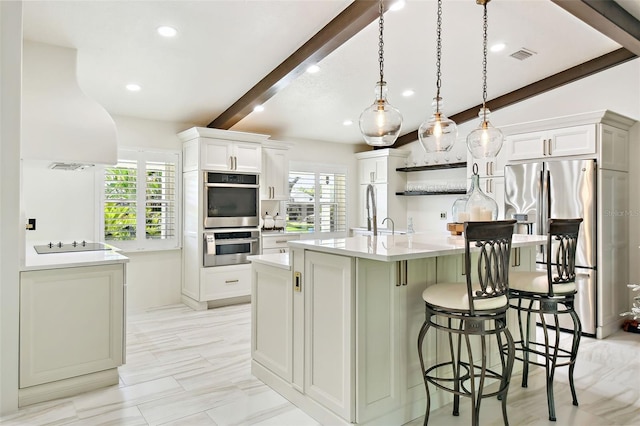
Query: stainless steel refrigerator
[[535, 192]]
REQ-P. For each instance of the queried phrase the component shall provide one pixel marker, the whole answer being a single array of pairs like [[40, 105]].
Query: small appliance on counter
[[273, 223]]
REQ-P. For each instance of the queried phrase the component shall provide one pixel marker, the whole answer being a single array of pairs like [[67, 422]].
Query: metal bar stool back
[[544, 296], [473, 311]]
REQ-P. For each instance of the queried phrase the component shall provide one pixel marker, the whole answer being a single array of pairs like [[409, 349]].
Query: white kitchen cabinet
[[373, 170], [223, 282], [277, 243], [613, 145], [223, 155], [613, 231], [390, 313], [569, 141], [272, 319], [329, 331], [494, 188], [221, 150], [274, 182], [382, 163], [488, 167], [71, 323]]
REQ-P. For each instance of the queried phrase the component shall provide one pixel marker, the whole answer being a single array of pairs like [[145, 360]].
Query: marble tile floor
[[188, 367]]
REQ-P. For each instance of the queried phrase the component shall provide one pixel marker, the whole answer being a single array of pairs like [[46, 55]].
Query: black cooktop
[[75, 246]]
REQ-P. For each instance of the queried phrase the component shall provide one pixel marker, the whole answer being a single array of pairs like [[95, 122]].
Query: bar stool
[[475, 308], [539, 294]]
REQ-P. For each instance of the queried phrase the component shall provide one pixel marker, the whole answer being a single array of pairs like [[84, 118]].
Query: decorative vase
[[479, 206]]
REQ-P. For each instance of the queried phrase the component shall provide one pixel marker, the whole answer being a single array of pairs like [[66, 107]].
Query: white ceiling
[[224, 48]]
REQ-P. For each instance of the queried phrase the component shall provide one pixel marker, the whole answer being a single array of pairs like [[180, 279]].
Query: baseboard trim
[[67, 387]]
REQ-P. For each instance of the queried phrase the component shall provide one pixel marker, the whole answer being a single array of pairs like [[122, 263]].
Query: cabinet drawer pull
[[297, 281], [516, 257], [544, 147], [231, 281], [549, 146], [280, 241], [486, 169]]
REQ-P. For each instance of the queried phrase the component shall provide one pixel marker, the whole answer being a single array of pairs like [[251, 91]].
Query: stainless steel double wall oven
[[231, 218]]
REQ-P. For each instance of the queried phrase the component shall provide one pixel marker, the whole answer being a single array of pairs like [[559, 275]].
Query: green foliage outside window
[[120, 209]]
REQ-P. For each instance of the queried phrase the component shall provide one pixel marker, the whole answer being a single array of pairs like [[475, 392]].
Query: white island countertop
[[34, 261], [390, 248]]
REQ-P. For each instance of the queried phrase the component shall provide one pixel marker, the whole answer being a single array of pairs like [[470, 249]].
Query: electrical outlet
[[443, 215], [31, 225]]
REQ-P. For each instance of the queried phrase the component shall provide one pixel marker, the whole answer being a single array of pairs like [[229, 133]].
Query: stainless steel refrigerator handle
[[539, 216], [547, 200]]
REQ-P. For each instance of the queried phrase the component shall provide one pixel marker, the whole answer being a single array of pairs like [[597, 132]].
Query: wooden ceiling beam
[[348, 23], [609, 18], [567, 76]]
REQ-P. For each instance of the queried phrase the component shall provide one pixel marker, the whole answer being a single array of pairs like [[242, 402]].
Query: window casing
[[140, 207], [317, 201]]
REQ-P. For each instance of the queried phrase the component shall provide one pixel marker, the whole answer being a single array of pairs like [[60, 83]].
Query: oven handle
[[236, 241], [230, 185]]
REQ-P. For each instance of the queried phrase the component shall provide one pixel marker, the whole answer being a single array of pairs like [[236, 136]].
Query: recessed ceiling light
[[397, 5], [498, 47], [166, 31], [408, 93], [312, 69], [133, 87], [347, 122], [258, 108]]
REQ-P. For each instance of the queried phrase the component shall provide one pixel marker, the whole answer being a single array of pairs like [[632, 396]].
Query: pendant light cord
[[381, 45], [484, 63], [438, 55]]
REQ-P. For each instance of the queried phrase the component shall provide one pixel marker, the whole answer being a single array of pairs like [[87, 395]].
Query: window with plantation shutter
[[141, 208], [317, 201]]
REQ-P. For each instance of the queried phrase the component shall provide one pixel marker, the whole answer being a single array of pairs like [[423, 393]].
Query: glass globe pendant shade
[[438, 133], [485, 141], [380, 124]]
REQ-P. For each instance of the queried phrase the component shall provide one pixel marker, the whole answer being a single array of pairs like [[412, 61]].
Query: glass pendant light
[[485, 141], [439, 132], [380, 124]]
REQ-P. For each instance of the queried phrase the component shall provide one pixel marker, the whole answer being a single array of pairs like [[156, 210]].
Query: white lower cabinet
[[272, 319], [337, 335], [329, 331], [223, 282], [390, 312], [71, 325], [277, 243]]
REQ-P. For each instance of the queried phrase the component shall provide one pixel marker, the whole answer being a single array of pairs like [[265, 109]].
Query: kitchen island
[[335, 322], [72, 322]]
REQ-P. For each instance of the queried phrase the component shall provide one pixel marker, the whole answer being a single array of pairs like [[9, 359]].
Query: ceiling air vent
[[69, 166], [523, 54]]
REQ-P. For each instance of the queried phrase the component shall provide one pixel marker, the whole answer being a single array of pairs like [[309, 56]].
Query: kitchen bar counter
[[390, 248], [35, 261], [334, 324]]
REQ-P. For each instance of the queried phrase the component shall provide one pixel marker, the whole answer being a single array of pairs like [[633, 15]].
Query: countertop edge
[[386, 249], [278, 260], [39, 262]]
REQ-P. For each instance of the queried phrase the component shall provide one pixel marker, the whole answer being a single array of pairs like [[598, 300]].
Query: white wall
[[10, 234]]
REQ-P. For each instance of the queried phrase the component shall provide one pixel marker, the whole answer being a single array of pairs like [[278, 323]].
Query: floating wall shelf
[[433, 167]]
